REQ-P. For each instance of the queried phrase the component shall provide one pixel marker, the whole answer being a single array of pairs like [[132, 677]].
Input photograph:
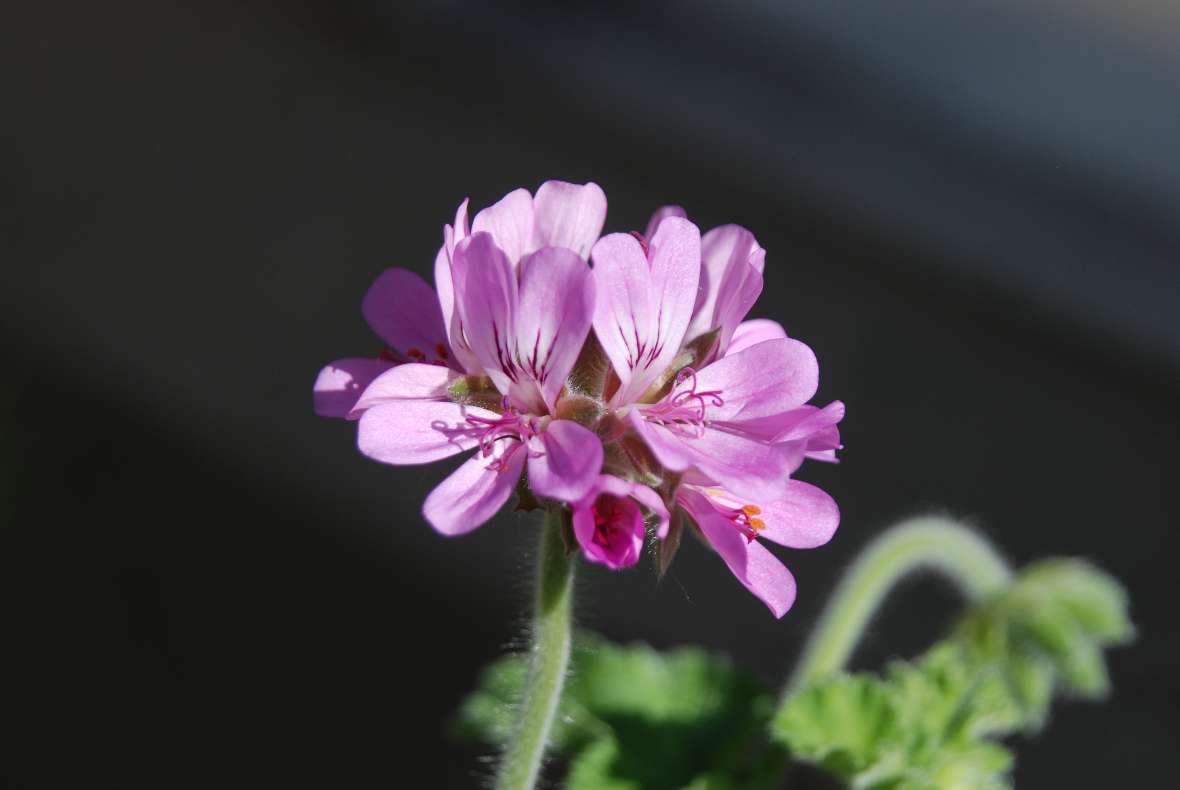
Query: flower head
[[676, 401]]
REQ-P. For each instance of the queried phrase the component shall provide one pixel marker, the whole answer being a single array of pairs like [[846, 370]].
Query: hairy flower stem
[[939, 544], [550, 657]]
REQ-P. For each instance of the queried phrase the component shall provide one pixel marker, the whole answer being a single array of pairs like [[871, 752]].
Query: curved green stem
[[551, 652], [938, 544]]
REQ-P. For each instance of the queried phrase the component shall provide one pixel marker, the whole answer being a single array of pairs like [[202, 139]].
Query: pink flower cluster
[[674, 410]]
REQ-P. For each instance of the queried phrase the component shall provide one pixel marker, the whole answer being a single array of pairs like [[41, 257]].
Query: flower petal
[[764, 380], [730, 282], [815, 428], [640, 493], [752, 469], [564, 461], [569, 216], [644, 303], [554, 316], [341, 383], [473, 493], [754, 566], [409, 381], [510, 222], [803, 519], [486, 297], [418, 431], [653, 224], [752, 332], [404, 312]]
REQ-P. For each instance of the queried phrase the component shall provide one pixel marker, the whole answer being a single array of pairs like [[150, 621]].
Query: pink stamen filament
[[684, 411], [511, 426]]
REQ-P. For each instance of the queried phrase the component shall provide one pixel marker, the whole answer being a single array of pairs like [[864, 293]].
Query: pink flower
[[419, 325], [723, 418], [520, 322], [802, 517], [608, 522], [740, 423]]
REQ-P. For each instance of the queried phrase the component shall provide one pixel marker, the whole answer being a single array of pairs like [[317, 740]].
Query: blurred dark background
[[972, 212]]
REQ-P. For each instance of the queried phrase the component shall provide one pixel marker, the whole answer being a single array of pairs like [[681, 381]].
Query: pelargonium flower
[[609, 524], [721, 419], [675, 401]]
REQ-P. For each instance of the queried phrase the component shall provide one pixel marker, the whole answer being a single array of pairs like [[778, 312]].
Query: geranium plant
[[614, 384]]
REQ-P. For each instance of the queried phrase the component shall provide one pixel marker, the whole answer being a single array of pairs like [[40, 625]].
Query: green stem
[[938, 544], [551, 652]]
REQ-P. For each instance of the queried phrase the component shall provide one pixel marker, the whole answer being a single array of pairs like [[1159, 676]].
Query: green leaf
[[843, 723], [594, 769], [1046, 632], [926, 723], [633, 717]]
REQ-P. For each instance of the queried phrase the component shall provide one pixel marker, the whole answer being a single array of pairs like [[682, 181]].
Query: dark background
[[972, 213]]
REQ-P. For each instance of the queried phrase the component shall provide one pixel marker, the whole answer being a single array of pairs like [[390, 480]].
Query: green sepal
[[694, 355], [475, 391]]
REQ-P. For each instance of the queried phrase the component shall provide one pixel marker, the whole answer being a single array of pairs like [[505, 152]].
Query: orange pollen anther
[[757, 524], [751, 510]]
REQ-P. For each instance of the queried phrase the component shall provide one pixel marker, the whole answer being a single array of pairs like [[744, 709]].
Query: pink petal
[[764, 380], [412, 380], [642, 308], [340, 384], [462, 227], [753, 469], [564, 461], [418, 431], [464, 358], [730, 282], [404, 312], [486, 297], [569, 216], [663, 211], [675, 272], [650, 500], [473, 493], [554, 316], [751, 563], [624, 305], [803, 519], [814, 428], [757, 330], [510, 222]]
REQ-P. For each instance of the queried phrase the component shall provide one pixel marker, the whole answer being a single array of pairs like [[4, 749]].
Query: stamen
[[684, 411], [510, 426], [744, 519]]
